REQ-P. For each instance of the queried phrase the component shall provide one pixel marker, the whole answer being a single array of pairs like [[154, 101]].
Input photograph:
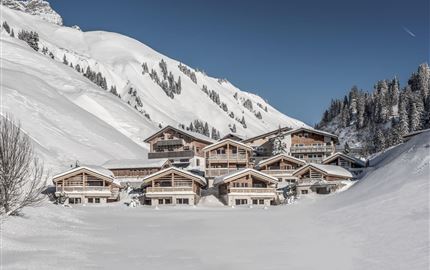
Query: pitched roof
[[283, 129], [135, 163], [194, 135], [214, 145], [345, 156], [327, 169], [92, 168], [312, 130], [279, 156], [232, 135], [230, 176], [197, 178]]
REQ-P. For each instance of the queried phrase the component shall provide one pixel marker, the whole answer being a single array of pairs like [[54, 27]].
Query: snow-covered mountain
[[38, 8], [60, 89]]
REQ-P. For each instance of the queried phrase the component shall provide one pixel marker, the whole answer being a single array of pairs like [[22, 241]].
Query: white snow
[[381, 222]]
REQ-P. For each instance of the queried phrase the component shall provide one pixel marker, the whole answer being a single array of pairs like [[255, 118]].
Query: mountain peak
[[38, 8]]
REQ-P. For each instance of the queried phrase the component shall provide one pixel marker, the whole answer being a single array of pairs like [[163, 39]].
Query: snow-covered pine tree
[[65, 60], [6, 27]]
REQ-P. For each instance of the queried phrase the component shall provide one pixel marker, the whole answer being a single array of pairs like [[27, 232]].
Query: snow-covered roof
[[219, 143], [233, 135], [288, 130], [327, 169], [92, 168], [135, 163], [279, 156], [230, 176], [283, 129], [345, 156], [194, 135], [198, 178]]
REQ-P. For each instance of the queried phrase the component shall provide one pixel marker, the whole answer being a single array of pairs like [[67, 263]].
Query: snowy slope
[[379, 223], [119, 60]]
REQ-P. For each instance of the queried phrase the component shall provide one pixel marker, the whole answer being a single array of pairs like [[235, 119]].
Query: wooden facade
[[311, 145], [138, 170], [173, 186], [281, 166], [321, 179], [226, 156], [247, 187], [181, 147], [355, 166], [86, 185]]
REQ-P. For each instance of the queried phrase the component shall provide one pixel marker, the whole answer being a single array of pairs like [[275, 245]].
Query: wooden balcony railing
[[277, 171], [168, 189], [241, 157], [83, 189], [251, 190], [219, 171], [311, 149], [172, 154]]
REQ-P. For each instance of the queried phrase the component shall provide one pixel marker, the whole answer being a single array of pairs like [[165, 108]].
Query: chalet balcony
[[251, 190], [219, 171], [86, 189], [172, 154], [230, 157], [277, 171], [169, 142], [311, 149], [168, 189]]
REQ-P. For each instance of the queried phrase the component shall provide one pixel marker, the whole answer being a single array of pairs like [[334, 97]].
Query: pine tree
[[403, 125], [65, 60], [415, 118], [206, 130], [379, 140], [6, 27], [12, 33]]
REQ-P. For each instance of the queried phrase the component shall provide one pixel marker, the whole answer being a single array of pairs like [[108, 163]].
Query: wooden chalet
[[320, 178], [226, 156], [87, 184], [281, 166], [130, 172], [263, 143], [310, 144], [353, 165], [172, 186], [247, 187], [183, 148], [303, 143]]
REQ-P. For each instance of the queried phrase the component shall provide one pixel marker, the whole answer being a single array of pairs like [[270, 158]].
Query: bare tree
[[22, 176]]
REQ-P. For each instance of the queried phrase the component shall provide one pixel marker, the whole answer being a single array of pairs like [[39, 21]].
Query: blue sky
[[297, 55]]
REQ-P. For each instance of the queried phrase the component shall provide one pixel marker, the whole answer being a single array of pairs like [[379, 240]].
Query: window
[[305, 191], [74, 200], [90, 200], [241, 201], [160, 201], [168, 201], [261, 201], [197, 162], [97, 200], [258, 185], [182, 201], [254, 201]]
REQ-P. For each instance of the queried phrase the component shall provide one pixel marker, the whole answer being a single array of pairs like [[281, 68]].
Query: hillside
[[375, 120], [92, 96], [381, 222]]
